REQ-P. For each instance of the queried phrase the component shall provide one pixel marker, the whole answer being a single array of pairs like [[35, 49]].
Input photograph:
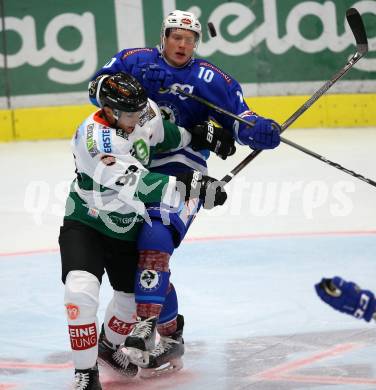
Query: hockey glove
[[263, 135], [196, 185], [152, 76], [216, 139], [347, 297]]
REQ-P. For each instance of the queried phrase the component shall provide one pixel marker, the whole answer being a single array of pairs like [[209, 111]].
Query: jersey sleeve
[[233, 101], [174, 137]]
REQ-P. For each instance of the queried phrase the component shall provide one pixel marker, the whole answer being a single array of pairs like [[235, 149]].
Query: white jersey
[[113, 182]]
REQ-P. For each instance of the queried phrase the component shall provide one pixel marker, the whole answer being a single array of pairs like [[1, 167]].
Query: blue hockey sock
[[170, 307]]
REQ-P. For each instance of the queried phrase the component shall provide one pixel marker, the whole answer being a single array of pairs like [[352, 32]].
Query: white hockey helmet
[[181, 19]]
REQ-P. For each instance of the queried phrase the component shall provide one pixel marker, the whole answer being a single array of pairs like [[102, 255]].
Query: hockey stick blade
[[357, 27]]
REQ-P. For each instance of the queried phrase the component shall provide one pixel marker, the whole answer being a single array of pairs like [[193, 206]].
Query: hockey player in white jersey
[[104, 211]]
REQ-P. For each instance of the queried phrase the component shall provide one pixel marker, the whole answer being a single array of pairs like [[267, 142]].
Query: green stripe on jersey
[[172, 137], [151, 187]]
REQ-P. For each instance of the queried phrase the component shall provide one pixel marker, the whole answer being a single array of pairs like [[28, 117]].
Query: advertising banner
[[50, 49]]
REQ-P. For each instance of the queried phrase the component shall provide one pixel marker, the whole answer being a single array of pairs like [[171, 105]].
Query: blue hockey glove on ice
[[152, 76], [347, 297], [263, 135]]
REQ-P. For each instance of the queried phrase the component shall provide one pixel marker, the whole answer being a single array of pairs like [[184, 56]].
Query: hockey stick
[[357, 27], [284, 126], [356, 24]]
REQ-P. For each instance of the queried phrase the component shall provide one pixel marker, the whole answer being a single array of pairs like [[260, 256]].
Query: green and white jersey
[[113, 182]]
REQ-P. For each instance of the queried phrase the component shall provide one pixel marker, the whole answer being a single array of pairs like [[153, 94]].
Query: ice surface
[[244, 275]]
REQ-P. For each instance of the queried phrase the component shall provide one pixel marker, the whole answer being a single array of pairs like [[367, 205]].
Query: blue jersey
[[198, 77]]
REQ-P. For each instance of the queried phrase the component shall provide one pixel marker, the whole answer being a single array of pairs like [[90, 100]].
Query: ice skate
[[87, 379], [166, 357], [113, 356], [141, 341]]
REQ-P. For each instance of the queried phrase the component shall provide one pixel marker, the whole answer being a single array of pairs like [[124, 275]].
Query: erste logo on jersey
[[106, 141]]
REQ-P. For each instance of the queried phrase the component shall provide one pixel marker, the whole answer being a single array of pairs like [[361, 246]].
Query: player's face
[[179, 46], [128, 121]]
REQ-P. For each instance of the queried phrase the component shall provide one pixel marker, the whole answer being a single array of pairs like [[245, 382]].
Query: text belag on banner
[[56, 49]]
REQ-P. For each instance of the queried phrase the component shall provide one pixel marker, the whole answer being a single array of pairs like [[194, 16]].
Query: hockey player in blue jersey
[[160, 70]]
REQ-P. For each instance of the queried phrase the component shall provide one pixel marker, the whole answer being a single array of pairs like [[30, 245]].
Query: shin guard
[[81, 300], [120, 317]]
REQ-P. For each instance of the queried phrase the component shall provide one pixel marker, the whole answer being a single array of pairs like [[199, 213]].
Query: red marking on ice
[[34, 366], [28, 253], [250, 236], [295, 364], [7, 386], [113, 381], [283, 371], [109, 378], [329, 380]]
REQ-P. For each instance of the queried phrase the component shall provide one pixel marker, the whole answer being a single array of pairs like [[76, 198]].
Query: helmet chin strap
[[116, 114]]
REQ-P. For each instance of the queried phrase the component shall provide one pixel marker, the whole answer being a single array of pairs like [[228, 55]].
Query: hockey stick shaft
[[355, 58], [357, 27], [333, 164], [213, 106]]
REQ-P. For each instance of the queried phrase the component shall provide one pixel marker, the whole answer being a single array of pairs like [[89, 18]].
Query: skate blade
[[138, 357], [165, 369]]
